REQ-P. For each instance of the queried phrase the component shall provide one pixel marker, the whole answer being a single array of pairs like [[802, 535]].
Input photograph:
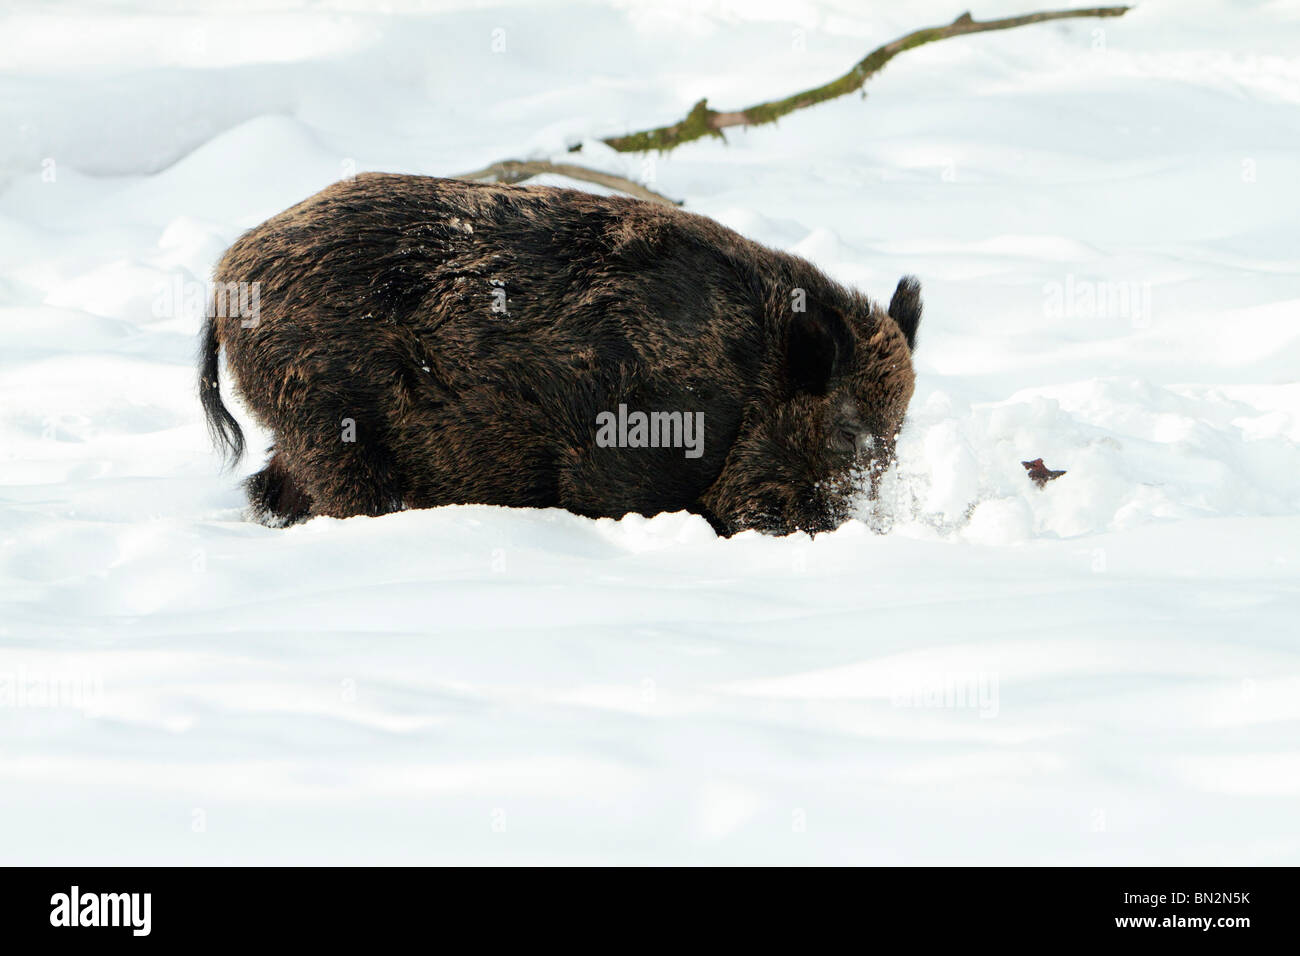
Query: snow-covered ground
[[1104, 215]]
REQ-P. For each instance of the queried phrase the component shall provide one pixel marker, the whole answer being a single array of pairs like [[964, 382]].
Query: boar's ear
[[819, 345], [905, 308]]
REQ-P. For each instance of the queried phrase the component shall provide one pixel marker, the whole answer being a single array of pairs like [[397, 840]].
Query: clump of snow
[[1103, 670]]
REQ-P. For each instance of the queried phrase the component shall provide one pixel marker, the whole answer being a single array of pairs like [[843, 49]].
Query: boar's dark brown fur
[[426, 341]]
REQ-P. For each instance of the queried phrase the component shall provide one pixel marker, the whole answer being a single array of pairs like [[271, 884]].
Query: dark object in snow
[[421, 342], [1039, 473]]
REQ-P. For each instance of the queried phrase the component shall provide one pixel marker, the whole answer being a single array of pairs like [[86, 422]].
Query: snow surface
[[1105, 671]]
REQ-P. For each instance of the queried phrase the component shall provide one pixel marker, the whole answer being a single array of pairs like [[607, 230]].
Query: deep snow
[[1102, 671]]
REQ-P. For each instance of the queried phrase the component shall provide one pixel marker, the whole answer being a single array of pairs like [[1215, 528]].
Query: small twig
[[702, 121], [1039, 473], [516, 171]]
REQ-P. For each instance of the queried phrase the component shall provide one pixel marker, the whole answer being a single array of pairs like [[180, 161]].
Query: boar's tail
[[222, 426]]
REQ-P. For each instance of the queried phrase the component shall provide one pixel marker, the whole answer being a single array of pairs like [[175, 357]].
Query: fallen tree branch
[[702, 121], [516, 171]]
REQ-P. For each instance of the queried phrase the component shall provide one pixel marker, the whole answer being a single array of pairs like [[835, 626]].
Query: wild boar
[[424, 341]]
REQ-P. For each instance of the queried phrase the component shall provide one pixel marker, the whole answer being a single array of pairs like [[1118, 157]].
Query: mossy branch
[[702, 121]]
